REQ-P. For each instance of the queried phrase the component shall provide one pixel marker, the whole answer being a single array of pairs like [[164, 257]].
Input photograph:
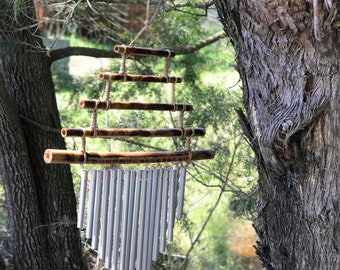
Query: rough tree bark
[[288, 54], [40, 198]]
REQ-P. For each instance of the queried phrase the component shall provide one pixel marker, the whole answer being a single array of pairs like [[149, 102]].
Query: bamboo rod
[[131, 132], [121, 105], [142, 51], [138, 78], [56, 156]]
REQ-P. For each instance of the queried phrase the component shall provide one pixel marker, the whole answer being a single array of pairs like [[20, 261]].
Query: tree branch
[[71, 51], [199, 45], [99, 53]]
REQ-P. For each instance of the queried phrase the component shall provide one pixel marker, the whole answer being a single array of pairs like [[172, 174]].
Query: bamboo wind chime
[[130, 214]]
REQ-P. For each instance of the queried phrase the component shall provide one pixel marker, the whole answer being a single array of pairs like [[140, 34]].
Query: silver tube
[[164, 211], [172, 203], [130, 218], [82, 199], [134, 236], [97, 207], [118, 212], [181, 191], [147, 218], [127, 181], [110, 220], [90, 207], [158, 215], [104, 214], [139, 263], [154, 190]]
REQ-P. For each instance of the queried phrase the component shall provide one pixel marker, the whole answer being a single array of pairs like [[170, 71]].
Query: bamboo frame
[[138, 78], [142, 51], [131, 132], [121, 105], [56, 156]]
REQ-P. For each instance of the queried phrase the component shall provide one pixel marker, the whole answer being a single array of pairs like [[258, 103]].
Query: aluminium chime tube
[[97, 209], [172, 202], [117, 225], [181, 191], [147, 218], [142, 209], [130, 217], [82, 199], [164, 211], [125, 208], [90, 207], [104, 214], [134, 235], [156, 234], [154, 190], [110, 220]]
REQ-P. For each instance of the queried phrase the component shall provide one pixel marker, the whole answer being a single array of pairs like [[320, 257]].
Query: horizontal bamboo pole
[[121, 105], [142, 51], [131, 132], [138, 78], [55, 156]]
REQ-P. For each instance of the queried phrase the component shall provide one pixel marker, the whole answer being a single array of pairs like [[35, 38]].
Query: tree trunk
[[40, 198], [288, 57]]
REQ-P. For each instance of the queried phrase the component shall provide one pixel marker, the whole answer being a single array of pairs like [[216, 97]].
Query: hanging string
[[148, 21]]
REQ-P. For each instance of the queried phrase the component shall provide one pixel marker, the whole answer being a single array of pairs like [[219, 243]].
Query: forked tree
[[288, 55]]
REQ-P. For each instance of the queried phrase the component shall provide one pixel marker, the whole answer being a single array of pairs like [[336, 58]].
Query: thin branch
[[41, 126], [185, 263], [199, 45]]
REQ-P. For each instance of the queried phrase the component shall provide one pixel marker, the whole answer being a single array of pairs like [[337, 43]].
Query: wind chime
[[130, 214]]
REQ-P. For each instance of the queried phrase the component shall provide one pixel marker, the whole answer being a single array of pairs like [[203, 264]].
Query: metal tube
[[104, 214], [181, 191], [82, 199], [154, 190], [134, 236], [110, 221], [118, 212], [90, 207], [172, 203], [147, 218], [139, 263], [164, 211], [158, 215], [127, 182], [97, 208], [130, 218]]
